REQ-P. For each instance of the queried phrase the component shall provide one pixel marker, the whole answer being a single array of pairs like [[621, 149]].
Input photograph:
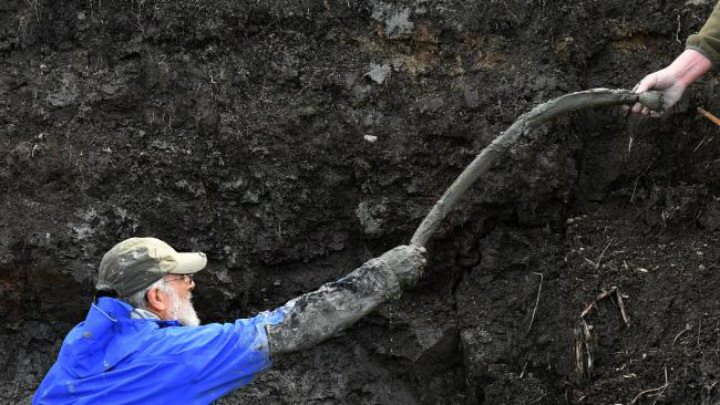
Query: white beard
[[183, 310]]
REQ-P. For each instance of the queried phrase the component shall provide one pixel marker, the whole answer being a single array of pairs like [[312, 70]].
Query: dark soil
[[293, 140]]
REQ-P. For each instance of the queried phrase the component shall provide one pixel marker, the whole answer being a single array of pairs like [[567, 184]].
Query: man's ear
[[158, 301]]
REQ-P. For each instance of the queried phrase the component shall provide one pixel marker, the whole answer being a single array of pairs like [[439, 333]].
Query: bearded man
[[142, 341]]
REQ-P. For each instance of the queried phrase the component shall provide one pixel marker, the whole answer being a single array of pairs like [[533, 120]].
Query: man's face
[[181, 307]]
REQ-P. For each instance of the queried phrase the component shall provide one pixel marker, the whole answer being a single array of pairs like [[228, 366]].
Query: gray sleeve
[[316, 316]]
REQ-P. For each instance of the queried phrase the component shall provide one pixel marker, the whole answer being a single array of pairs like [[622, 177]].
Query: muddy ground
[[292, 140]]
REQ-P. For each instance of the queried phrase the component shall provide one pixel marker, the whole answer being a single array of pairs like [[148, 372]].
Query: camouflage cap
[[137, 263]]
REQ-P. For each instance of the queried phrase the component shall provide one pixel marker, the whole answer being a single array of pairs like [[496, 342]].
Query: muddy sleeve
[[318, 315], [707, 41]]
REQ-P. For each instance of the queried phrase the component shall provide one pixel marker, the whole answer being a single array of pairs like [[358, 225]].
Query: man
[[702, 51], [142, 342]]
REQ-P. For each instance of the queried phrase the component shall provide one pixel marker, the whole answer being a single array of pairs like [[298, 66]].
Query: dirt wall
[[292, 140]]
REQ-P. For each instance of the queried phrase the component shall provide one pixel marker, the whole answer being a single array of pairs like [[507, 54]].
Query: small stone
[[370, 138], [277, 283], [569, 221], [378, 73], [372, 216], [399, 26]]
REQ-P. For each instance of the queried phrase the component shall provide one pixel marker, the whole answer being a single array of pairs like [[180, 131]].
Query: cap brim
[[189, 263]]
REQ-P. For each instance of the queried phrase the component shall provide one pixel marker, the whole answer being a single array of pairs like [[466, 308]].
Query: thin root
[[537, 301], [657, 392], [605, 294], [621, 304], [687, 328]]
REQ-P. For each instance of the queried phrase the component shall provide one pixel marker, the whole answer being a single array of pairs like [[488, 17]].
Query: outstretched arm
[[318, 315]]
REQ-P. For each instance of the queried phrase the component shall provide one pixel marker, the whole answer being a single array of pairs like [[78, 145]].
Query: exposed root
[[656, 392], [584, 338], [621, 305], [583, 361], [537, 301], [604, 294], [598, 261], [686, 329]]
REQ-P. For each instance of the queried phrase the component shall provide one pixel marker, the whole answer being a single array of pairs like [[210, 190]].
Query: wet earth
[[293, 140]]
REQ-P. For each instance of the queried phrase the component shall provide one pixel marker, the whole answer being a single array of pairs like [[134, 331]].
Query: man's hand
[[672, 80], [665, 81], [407, 262]]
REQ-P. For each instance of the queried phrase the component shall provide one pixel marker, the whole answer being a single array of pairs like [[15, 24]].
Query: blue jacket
[[111, 358]]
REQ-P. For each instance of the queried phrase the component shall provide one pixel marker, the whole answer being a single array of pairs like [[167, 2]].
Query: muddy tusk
[[527, 122]]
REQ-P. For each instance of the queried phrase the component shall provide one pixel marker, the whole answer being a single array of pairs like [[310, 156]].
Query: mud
[[314, 317], [293, 141]]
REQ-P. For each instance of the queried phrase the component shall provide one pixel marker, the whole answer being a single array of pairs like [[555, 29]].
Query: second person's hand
[[672, 80]]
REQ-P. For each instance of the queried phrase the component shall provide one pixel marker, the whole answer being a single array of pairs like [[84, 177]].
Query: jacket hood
[[84, 352]]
